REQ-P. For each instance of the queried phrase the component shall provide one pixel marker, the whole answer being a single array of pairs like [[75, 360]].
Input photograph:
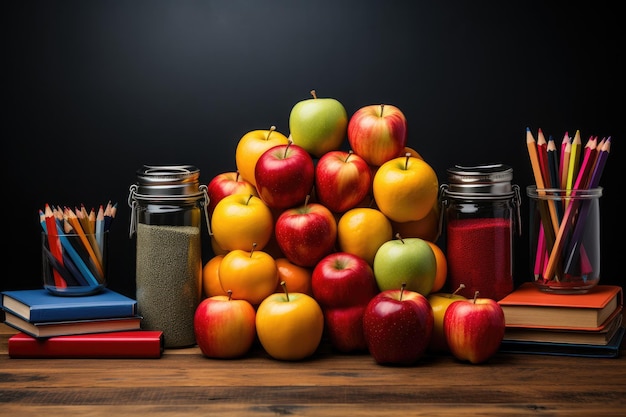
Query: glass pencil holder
[[74, 264], [564, 239]]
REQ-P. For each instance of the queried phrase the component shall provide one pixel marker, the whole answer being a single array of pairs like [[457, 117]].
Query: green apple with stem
[[319, 125], [405, 260]]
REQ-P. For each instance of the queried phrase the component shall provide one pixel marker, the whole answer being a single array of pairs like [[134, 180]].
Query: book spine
[[127, 345]]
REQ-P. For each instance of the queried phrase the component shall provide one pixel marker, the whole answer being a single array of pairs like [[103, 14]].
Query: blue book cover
[[39, 305]]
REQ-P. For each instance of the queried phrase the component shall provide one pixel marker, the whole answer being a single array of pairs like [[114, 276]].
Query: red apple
[[224, 327], [306, 233], [342, 180], [225, 184], [284, 176], [343, 284], [344, 328], [398, 325], [377, 133], [343, 279], [474, 328]]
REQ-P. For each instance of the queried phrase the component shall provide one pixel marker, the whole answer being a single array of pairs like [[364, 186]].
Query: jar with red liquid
[[481, 211]]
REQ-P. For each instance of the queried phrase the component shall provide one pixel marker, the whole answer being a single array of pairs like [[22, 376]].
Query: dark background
[[93, 90]]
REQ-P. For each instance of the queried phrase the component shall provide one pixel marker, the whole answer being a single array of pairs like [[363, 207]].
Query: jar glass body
[[564, 237], [479, 245], [169, 269]]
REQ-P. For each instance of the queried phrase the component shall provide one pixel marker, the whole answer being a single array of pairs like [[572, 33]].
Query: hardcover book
[[128, 344], [62, 328], [601, 336], [610, 350], [39, 305], [528, 306]]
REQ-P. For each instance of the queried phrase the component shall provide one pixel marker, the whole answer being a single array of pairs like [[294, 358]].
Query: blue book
[[39, 305]]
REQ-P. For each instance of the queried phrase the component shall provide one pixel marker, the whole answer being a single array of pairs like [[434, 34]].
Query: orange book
[[527, 306]]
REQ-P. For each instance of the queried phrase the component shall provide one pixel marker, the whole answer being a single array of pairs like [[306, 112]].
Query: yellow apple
[[290, 325], [439, 303], [405, 188], [251, 146], [240, 220]]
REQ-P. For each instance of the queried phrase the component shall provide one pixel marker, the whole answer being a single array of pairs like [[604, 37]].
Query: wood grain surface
[[183, 382]]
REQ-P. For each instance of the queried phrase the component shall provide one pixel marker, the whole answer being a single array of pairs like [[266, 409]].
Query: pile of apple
[[288, 269]]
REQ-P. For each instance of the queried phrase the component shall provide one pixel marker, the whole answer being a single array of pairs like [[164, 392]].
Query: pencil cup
[[564, 239], [74, 264]]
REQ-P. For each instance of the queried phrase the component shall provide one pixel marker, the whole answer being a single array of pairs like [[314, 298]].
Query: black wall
[[93, 90]]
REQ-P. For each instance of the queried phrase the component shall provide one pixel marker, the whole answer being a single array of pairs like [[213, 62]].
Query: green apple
[[439, 302], [319, 125], [409, 260]]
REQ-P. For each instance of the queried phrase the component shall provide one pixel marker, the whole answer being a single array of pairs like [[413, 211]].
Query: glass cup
[[74, 264], [564, 239]]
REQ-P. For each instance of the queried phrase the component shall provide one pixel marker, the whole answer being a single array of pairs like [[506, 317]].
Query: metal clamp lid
[[168, 183], [492, 179]]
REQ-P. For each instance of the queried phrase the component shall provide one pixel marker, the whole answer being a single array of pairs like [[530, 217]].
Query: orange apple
[[210, 277], [240, 220], [250, 275], [251, 146], [296, 277]]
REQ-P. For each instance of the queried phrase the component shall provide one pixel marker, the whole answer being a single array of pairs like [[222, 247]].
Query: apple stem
[[230, 294], [289, 142], [406, 162], [237, 176], [313, 94], [475, 296], [253, 248], [306, 200], [272, 128], [249, 198], [284, 285], [350, 152], [382, 107], [402, 287], [461, 286], [398, 236]]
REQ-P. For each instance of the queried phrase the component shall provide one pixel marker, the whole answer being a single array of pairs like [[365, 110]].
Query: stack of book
[[587, 324], [103, 325]]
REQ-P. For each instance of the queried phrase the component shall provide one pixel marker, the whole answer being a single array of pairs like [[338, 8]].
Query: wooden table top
[[184, 383]]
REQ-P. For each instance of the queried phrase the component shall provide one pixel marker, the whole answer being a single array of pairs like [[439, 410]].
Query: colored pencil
[[54, 244], [574, 160], [542, 155], [553, 168], [564, 167], [100, 227]]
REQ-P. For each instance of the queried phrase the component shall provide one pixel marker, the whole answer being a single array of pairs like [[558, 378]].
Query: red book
[[127, 344]]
